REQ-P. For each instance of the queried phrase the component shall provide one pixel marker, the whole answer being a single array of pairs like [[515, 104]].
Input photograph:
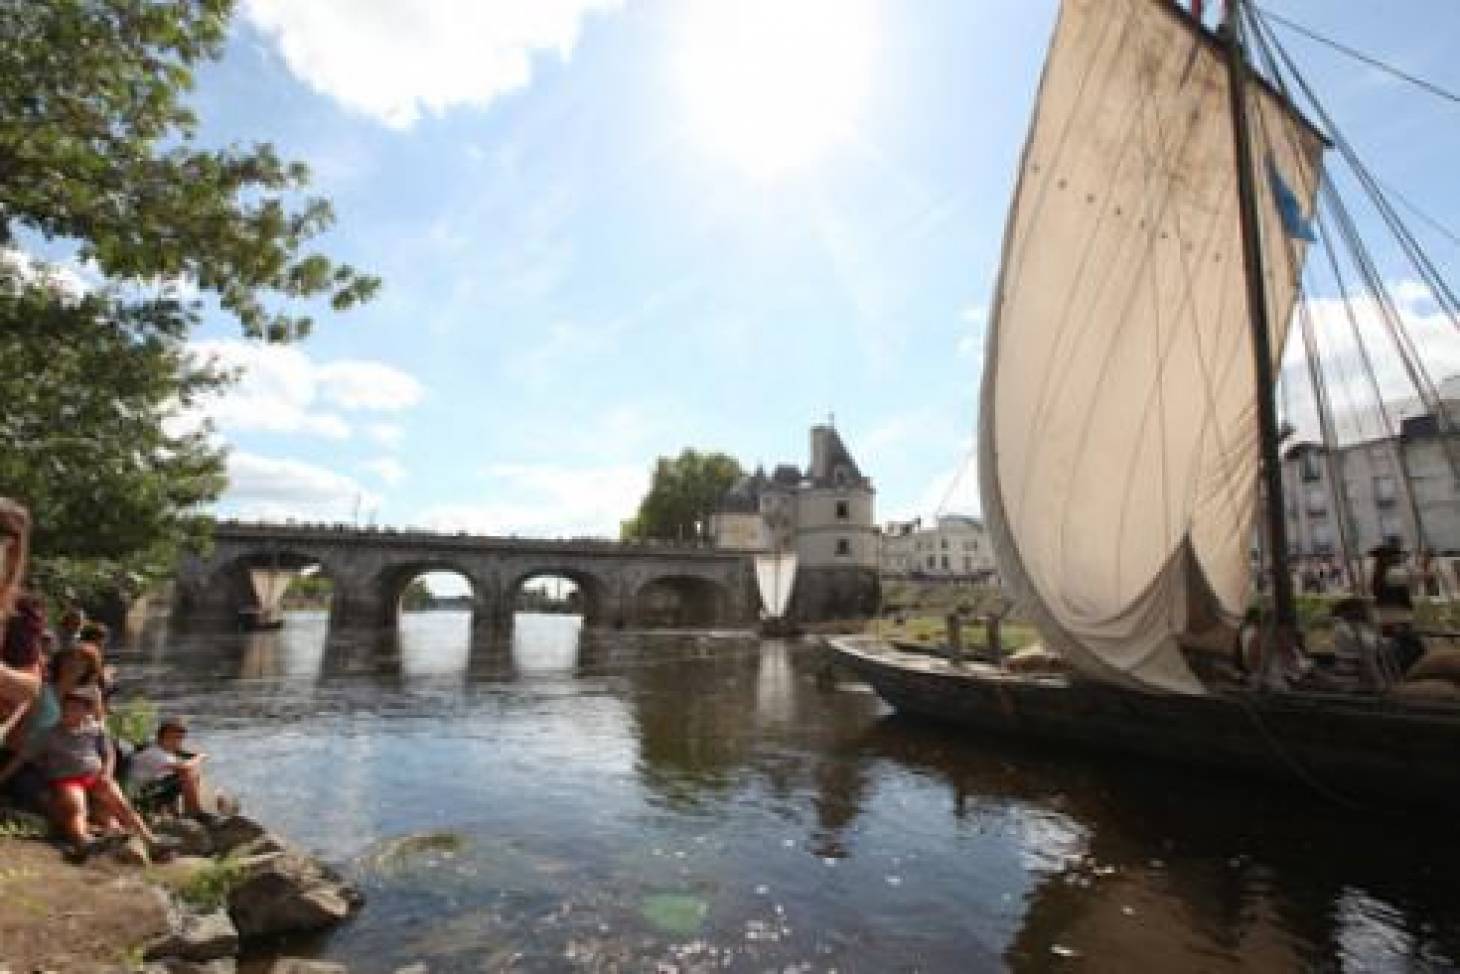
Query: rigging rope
[[1360, 56], [1332, 459], [1267, 42], [1409, 355]]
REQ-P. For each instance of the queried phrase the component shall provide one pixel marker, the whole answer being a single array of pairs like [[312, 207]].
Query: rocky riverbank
[[234, 885]]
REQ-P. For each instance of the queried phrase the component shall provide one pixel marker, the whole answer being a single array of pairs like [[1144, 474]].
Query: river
[[645, 801]]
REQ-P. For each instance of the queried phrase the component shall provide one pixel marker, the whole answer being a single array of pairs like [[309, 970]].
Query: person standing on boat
[[1394, 606]]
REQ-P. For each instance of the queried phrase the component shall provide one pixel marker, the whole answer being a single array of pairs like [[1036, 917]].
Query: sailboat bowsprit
[[1152, 261]]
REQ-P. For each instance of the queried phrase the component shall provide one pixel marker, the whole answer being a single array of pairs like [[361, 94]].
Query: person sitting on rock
[[68, 630], [19, 680], [22, 726], [162, 772], [78, 760], [82, 665]]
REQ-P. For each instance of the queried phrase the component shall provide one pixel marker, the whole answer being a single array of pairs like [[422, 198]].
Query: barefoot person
[[79, 762], [18, 682], [162, 771]]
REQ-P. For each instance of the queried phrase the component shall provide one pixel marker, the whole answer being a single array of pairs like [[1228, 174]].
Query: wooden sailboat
[[1128, 430]]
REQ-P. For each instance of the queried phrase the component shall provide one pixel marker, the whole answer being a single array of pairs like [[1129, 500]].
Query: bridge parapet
[[370, 569], [348, 533]]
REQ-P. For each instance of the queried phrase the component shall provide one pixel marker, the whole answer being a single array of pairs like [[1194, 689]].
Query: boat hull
[[1345, 746]]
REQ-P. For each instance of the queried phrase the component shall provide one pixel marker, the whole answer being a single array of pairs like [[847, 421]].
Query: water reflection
[[631, 799]]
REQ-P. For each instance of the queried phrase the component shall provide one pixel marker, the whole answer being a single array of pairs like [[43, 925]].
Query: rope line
[[1361, 56]]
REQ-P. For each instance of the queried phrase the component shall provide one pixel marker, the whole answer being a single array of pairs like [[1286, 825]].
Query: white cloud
[[388, 469], [954, 491], [395, 60], [272, 488], [1350, 390], [548, 500], [282, 390], [68, 278], [970, 345], [386, 434], [368, 385]]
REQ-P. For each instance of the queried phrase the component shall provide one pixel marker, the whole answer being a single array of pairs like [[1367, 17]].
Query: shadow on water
[[567, 798]]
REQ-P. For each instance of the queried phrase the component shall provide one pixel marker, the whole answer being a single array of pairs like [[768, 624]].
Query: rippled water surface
[[652, 801]]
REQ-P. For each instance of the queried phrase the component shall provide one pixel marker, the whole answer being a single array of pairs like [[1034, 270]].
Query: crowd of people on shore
[[56, 756]]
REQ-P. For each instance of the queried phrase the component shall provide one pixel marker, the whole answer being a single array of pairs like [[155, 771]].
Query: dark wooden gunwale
[[1346, 746]]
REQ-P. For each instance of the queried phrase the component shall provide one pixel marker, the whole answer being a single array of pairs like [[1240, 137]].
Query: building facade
[[825, 514], [955, 547], [1403, 490]]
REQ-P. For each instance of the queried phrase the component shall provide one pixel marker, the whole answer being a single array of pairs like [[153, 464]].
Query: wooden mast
[[1284, 605]]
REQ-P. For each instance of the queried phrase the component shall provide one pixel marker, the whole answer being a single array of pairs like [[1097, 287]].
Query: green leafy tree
[[683, 494], [98, 147], [417, 596], [87, 390], [98, 156]]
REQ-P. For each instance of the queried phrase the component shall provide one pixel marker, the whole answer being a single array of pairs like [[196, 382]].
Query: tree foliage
[[98, 147], [99, 157], [417, 596], [684, 492], [88, 386]]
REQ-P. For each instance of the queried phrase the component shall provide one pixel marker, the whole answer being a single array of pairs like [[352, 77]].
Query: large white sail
[[775, 575], [269, 586], [1118, 428]]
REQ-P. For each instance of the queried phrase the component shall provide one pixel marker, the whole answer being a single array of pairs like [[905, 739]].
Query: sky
[[611, 229]]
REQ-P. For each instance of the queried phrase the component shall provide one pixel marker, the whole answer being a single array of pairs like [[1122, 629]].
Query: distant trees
[[684, 492], [312, 591], [417, 597]]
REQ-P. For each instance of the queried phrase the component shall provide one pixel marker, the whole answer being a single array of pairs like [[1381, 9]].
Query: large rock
[[193, 838], [132, 852], [195, 937], [232, 831], [293, 965], [287, 892], [172, 965]]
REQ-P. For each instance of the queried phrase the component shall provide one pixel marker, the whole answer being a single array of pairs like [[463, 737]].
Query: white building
[[956, 546], [1373, 482]]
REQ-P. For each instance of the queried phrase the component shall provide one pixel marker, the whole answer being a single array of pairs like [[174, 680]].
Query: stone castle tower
[[825, 514]]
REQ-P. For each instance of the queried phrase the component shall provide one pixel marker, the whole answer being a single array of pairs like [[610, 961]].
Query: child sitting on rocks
[[162, 772], [78, 760]]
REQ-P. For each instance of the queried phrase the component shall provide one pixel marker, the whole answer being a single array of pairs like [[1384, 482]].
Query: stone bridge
[[619, 583]]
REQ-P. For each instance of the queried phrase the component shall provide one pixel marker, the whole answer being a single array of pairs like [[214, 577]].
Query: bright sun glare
[[774, 83]]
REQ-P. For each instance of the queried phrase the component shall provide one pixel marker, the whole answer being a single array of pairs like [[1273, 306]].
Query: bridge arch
[[680, 601], [252, 584], [392, 581], [593, 593]]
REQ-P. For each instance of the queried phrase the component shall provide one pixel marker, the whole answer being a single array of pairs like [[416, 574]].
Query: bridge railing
[[322, 530]]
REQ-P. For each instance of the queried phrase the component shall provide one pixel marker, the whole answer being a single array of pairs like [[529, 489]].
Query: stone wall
[[834, 593]]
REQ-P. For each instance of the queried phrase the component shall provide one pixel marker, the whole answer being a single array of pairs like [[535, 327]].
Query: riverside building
[[825, 514]]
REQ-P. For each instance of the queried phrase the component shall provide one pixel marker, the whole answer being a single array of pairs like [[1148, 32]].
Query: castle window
[[843, 511], [1309, 466], [843, 547], [840, 477]]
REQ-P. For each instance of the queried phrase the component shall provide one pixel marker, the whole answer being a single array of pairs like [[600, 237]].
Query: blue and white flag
[[1295, 223]]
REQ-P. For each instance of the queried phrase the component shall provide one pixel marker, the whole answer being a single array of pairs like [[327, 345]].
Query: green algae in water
[[393, 855], [675, 914]]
